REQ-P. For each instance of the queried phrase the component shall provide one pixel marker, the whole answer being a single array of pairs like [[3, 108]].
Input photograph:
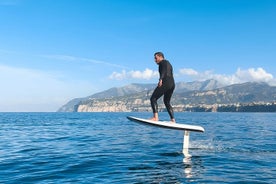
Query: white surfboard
[[167, 124], [176, 126]]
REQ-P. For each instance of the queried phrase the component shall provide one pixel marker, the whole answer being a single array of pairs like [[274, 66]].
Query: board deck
[[167, 124]]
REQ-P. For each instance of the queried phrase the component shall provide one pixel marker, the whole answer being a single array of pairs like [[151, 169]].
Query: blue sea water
[[108, 148]]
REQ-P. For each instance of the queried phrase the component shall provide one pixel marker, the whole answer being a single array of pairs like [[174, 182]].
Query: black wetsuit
[[167, 88]]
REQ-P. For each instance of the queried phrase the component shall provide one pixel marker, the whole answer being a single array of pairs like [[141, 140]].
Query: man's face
[[158, 58]]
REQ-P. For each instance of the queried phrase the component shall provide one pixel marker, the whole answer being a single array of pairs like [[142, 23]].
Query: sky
[[53, 51]]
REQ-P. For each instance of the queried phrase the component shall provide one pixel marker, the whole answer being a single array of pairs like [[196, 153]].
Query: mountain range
[[135, 97]]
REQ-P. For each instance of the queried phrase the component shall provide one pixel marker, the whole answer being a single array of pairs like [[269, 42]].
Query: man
[[165, 86]]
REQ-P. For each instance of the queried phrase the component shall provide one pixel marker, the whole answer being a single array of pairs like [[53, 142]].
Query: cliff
[[205, 96], [133, 89]]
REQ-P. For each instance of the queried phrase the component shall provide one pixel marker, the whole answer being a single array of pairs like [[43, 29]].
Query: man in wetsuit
[[165, 86]]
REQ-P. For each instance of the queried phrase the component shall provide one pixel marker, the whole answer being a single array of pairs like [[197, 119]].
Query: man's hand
[[160, 83]]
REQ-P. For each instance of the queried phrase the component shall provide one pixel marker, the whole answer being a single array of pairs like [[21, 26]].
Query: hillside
[[194, 96], [137, 88]]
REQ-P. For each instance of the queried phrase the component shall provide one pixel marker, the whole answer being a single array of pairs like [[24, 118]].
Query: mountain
[[197, 85], [112, 92], [238, 93], [251, 96], [71, 105], [122, 91], [137, 88]]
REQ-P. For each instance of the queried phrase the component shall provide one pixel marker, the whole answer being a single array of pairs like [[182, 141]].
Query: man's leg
[[158, 92], [167, 102]]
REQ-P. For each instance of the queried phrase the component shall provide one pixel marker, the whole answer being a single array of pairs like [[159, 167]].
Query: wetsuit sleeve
[[162, 70]]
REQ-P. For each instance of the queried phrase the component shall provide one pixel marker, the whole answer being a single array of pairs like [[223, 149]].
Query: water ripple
[[107, 148]]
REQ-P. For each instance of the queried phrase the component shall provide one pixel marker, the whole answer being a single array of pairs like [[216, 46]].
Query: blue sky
[[52, 51]]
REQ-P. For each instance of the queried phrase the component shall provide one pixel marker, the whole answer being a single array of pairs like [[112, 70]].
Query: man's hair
[[159, 54]]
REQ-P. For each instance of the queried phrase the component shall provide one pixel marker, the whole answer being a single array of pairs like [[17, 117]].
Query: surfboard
[[167, 124]]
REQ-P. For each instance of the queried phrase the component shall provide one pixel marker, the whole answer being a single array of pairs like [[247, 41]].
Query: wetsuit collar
[[161, 61]]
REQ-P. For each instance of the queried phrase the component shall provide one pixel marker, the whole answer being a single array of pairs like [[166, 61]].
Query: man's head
[[158, 57]]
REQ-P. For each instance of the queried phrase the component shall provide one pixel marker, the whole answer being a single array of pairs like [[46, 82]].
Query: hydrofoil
[[171, 125]]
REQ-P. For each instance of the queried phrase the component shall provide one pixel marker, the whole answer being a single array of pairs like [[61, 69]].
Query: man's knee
[[153, 99], [168, 105]]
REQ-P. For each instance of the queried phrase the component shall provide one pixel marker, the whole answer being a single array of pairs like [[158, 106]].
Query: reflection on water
[[188, 167], [167, 167], [193, 167]]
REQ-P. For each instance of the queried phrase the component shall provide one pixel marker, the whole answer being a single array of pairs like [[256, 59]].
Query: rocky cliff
[[131, 89], [198, 96]]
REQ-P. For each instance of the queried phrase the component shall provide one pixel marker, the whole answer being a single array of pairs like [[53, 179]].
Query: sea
[[108, 148]]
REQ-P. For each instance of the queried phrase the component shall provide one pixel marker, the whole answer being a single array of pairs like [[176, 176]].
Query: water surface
[[108, 148]]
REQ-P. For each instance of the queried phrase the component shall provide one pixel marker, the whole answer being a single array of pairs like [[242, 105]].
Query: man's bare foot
[[172, 120], [154, 119]]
